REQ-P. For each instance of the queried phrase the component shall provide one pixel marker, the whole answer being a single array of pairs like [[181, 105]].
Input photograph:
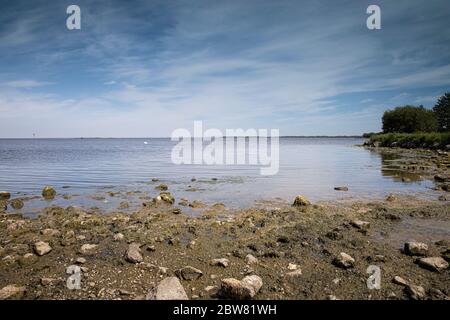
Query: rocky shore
[[296, 250]]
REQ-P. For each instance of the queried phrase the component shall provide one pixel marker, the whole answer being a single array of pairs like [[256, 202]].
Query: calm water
[[81, 168]]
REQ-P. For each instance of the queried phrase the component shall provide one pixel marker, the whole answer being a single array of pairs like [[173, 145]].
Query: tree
[[409, 119], [442, 112]]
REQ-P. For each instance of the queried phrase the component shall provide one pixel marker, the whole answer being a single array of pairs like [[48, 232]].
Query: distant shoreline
[[92, 138]]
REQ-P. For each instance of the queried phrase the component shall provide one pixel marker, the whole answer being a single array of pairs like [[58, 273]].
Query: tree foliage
[[442, 112], [408, 119]]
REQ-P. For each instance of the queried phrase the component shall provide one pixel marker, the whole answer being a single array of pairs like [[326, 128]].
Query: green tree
[[409, 119], [442, 112]]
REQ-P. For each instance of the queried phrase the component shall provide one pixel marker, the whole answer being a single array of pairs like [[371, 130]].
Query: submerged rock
[[41, 248], [391, 198], [246, 288], [17, 204], [341, 188], [433, 263], [169, 289], [166, 197], [48, 192], [414, 248], [301, 201], [162, 187]]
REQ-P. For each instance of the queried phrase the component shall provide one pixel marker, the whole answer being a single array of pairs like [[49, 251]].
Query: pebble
[[80, 260], [399, 280], [222, 262], [133, 253], [88, 249], [169, 289], [251, 259], [344, 260], [188, 273], [414, 248]]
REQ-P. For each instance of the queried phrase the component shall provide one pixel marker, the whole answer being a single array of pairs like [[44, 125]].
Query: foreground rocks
[[41, 248], [48, 192], [433, 263], [12, 292], [416, 248], [343, 260], [169, 289], [301, 201], [133, 253]]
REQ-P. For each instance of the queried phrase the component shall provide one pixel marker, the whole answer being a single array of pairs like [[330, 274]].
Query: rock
[[391, 198], [133, 253], [80, 260], [41, 248], [48, 192], [400, 281], [433, 263], [440, 178], [162, 187], [3, 205], [47, 281], [12, 291], [223, 262], [415, 292], [443, 198], [251, 259], [301, 201], [50, 232], [88, 249], [17, 204], [166, 197], [344, 260], [118, 236], [247, 288], [196, 204], [169, 289], [176, 211], [183, 202], [414, 248], [292, 266], [188, 273], [294, 274], [28, 259], [5, 195], [341, 188], [123, 205], [359, 224]]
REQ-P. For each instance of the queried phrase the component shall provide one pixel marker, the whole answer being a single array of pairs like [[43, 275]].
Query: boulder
[[301, 201], [41, 248], [433, 263], [188, 273], [133, 253], [415, 248], [5, 195], [48, 192], [344, 260], [17, 204], [415, 292], [246, 288], [169, 289], [12, 291]]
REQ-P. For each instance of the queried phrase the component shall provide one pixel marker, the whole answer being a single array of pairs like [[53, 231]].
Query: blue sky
[[145, 68]]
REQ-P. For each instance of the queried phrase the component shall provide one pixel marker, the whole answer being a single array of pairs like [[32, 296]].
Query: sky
[[145, 68]]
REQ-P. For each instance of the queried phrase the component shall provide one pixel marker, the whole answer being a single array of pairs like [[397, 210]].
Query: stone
[[391, 198], [48, 192], [341, 188], [41, 248], [414, 248], [188, 273], [294, 274], [162, 187], [123, 205], [222, 262], [246, 288], [17, 204], [50, 232], [415, 292], [251, 259], [133, 253], [166, 197], [88, 249], [301, 201], [433, 263], [80, 260], [47, 281], [400, 281], [292, 266], [360, 224], [344, 260], [443, 198], [12, 291], [118, 237], [28, 259], [169, 289], [196, 204], [5, 195]]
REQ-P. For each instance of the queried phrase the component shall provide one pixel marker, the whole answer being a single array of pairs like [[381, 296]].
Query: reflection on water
[[81, 168]]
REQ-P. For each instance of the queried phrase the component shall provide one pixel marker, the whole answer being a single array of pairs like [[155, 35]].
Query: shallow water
[[85, 167]]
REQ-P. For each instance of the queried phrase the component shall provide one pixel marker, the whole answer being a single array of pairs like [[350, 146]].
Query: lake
[[83, 171]]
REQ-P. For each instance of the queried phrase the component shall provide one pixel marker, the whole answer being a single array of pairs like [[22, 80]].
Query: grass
[[422, 140]]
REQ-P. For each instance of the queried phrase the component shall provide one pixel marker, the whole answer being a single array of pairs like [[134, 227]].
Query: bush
[[442, 112], [433, 140], [409, 119]]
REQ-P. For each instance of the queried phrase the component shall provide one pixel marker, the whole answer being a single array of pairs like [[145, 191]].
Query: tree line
[[409, 119]]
